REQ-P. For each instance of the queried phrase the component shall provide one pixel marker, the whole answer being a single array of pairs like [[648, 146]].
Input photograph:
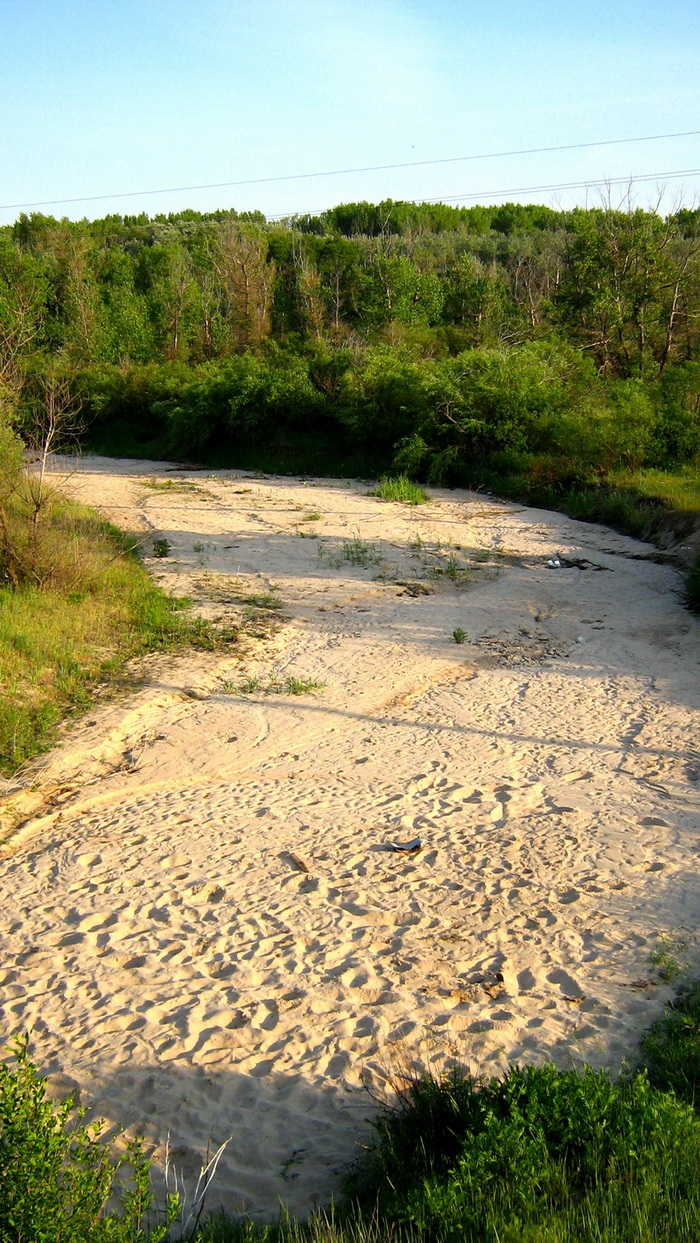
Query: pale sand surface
[[163, 945]]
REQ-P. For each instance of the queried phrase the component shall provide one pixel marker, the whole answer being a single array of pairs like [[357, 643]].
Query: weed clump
[[355, 551], [666, 958], [264, 600], [402, 489], [273, 686]]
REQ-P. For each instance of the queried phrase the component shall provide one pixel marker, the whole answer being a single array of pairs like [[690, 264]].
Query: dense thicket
[[443, 339]]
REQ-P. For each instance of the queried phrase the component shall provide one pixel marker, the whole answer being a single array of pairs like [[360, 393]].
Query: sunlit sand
[[203, 922]]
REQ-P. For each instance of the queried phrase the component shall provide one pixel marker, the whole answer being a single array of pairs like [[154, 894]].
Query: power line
[[563, 185], [576, 185], [342, 172]]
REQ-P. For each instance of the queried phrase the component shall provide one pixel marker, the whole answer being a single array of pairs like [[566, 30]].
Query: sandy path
[[160, 939]]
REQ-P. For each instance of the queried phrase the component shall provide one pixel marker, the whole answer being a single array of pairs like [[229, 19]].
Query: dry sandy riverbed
[[159, 934]]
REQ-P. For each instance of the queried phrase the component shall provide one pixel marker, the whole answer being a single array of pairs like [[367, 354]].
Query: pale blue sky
[[108, 96]]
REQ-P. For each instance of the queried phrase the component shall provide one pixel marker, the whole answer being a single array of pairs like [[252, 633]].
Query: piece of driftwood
[[298, 863]]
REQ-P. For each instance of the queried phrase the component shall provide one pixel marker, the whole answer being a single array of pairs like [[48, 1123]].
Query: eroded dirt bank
[[203, 924]]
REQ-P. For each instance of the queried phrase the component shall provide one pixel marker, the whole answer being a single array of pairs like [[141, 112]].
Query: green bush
[[537, 398], [385, 394], [56, 1175], [540, 1154], [677, 433], [671, 1047]]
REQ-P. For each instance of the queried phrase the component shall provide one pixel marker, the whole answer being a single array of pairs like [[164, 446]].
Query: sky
[[129, 97]]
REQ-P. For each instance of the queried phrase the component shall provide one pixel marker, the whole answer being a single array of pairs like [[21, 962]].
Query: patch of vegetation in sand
[[255, 685], [402, 489], [156, 484], [75, 606], [353, 551]]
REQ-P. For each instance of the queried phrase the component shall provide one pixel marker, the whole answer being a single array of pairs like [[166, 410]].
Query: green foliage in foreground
[[401, 488], [537, 1156], [56, 1175], [671, 1047], [540, 1154]]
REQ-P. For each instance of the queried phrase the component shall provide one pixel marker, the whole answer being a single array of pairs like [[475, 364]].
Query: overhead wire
[[342, 172], [630, 179]]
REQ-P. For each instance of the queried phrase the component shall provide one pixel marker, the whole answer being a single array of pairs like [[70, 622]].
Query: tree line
[[434, 337]]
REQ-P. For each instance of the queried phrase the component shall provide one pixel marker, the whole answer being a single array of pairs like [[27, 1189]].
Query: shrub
[[534, 398], [677, 433], [384, 395], [56, 1175], [540, 1154]]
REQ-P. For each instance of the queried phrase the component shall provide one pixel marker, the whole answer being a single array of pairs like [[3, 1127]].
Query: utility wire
[[342, 172], [486, 194]]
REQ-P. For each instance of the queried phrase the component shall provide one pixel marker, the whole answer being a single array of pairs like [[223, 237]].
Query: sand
[[202, 921]]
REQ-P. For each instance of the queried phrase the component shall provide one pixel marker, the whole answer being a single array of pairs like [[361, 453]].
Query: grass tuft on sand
[[402, 489]]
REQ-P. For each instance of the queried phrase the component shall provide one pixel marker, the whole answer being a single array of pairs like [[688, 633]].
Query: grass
[[161, 548], [58, 644], [169, 485], [301, 686], [273, 686], [402, 489], [355, 551], [692, 588], [665, 958], [450, 568], [671, 1047], [678, 489], [263, 600], [459, 635]]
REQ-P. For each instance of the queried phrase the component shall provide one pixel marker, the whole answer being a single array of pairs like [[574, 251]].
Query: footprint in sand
[[567, 985], [175, 861], [526, 981]]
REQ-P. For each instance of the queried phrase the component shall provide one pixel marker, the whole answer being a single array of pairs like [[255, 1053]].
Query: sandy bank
[[158, 932]]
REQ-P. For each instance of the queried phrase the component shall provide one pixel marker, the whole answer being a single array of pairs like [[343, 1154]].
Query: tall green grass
[[671, 1047], [402, 489], [692, 587], [59, 643], [679, 489]]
